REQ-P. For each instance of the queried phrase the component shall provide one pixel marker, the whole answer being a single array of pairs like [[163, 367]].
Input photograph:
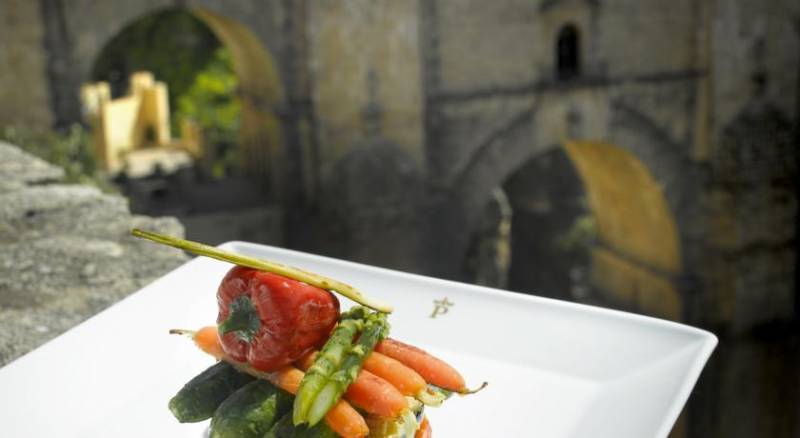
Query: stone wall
[[494, 101], [23, 86], [752, 205], [753, 217], [750, 39], [364, 56], [66, 252]]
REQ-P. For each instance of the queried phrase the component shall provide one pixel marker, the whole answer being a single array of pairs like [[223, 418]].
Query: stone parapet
[[66, 252]]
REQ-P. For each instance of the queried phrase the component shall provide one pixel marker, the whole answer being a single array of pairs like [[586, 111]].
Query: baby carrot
[[342, 418], [432, 369], [406, 380], [287, 378], [425, 430], [368, 392], [207, 340], [376, 396], [346, 421]]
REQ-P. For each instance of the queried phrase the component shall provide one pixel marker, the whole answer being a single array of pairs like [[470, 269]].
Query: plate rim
[[705, 340], [708, 341]]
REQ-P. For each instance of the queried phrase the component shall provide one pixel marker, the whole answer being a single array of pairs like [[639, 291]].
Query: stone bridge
[[398, 119]]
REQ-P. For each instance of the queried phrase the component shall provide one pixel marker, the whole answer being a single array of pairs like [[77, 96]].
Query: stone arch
[[262, 97], [248, 29], [458, 205], [664, 156], [494, 161], [638, 253], [680, 178], [647, 212], [630, 129]]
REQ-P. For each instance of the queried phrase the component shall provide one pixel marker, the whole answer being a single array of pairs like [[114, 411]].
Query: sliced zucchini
[[250, 412], [201, 396]]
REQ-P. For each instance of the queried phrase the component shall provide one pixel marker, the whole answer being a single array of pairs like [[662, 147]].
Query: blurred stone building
[[387, 131]]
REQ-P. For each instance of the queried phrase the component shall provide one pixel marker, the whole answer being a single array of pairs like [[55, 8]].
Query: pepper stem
[[242, 319], [264, 265]]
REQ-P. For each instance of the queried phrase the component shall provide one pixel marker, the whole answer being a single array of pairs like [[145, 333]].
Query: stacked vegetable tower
[[291, 365]]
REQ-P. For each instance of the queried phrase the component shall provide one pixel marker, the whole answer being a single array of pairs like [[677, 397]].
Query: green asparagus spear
[[327, 362], [355, 312], [376, 329]]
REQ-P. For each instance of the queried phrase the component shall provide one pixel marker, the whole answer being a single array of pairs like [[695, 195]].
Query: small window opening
[[568, 53]]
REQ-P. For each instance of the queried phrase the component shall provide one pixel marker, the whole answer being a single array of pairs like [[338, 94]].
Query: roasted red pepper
[[271, 321]]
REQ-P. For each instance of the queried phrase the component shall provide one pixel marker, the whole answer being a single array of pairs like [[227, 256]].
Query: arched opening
[[261, 94], [636, 259], [567, 53], [184, 46], [489, 253], [551, 227], [174, 50], [224, 81], [589, 223]]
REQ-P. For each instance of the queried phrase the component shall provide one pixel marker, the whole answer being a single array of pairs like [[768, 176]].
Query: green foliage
[[580, 234], [172, 44], [212, 103], [71, 150], [211, 100]]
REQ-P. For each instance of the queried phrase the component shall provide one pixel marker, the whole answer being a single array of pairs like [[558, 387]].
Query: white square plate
[[555, 369]]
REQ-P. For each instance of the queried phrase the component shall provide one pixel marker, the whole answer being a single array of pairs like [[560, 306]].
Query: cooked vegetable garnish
[[285, 428], [368, 392], [273, 318], [425, 430], [270, 321], [371, 393], [375, 329], [435, 396], [250, 412], [402, 427], [201, 396], [406, 380], [325, 364], [342, 418], [432, 369], [401, 380], [375, 396], [264, 265]]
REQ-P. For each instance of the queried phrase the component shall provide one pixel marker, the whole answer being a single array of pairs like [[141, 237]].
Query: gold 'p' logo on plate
[[441, 307]]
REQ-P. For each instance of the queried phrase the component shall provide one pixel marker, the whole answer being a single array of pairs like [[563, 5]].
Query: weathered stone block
[[42, 211], [66, 252], [18, 167]]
